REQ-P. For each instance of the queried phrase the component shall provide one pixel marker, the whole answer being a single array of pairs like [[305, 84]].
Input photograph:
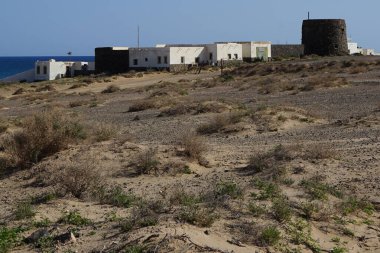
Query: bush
[[42, 135], [111, 89], [143, 215], [193, 145], [270, 236], [196, 215], [24, 210], [104, 132], [228, 188], [74, 218], [256, 210], [76, 177], [142, 106], [9, 238], [219, 122], [115, 196], [281, 209], [146, 161]]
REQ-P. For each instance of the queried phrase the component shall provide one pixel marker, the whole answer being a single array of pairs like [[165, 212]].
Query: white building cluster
[[175, 56], [52, 70], [355, 49]]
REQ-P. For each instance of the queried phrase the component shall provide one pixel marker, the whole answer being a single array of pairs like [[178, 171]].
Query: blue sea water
[[13, 65]]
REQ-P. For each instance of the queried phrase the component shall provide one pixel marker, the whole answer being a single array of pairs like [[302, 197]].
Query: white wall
[[189, 53], [148, 57], [353, 48], [224, 50], [250, 49]]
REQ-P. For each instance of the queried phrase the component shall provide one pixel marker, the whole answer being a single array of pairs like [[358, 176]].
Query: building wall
[[250, 50], [353, 48], [54, 70], [190, 55], [111, 60], [221, 51], [286, 51], [148, 57]]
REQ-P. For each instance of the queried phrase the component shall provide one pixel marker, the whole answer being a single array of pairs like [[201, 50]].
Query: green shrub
[[353, 204], [228, 188], [196, 215], [270, 236], [74, 218], [115, 196], [24, 210], [9, 238], [256, 210], [281, 209]]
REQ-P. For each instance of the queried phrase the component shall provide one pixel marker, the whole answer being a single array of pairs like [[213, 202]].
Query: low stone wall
[[286, 51]]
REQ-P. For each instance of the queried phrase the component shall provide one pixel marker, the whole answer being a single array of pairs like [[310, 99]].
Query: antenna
[[138, 36], [308, 15]]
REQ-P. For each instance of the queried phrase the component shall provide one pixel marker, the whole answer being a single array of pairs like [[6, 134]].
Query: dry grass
[[146, 161], [111, 89], [219, 122], [104, 132], [42, 135], [79, 178], [193, 145]]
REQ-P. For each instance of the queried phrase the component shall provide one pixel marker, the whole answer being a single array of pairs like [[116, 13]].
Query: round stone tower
[[325, 37]]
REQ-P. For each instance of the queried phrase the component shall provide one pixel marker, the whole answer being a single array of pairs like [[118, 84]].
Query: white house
[[353, 48], [52, 70], [253, 50], [177, 56]]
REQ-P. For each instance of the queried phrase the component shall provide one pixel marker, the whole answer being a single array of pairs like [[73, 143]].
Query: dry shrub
[[195, 108], [19, 91], [111, 89], [219, 122], [79, 178], [42, 135], [78, 103], [146, 161], [318, 152], [104, 132], [193, 145], [47, 87], [142, 105], [357, 70]]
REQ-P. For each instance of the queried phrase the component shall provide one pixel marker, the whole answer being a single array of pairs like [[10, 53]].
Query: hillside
[[270, 157]]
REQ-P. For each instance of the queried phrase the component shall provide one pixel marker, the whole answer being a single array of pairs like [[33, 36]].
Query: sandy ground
[[336, 116]]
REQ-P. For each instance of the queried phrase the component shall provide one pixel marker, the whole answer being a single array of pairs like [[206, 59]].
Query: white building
[[253, 50], [177, 56], [353, 48], [52, 70]]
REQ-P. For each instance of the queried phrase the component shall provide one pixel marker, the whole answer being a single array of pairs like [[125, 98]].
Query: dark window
[[159, 59], [183, 59], [166, 60], [229, 56], [38, 70], [45, 70], [146, 59], [135, 62], [211, 56], [197, 60], [236, 56]]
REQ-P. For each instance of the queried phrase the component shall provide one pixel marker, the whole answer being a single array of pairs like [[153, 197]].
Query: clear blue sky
[[54, 27]]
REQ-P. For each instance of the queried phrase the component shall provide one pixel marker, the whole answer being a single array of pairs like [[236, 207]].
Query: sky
[[54, 27]]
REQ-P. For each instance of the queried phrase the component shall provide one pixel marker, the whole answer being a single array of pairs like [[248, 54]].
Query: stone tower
[[325, 37]]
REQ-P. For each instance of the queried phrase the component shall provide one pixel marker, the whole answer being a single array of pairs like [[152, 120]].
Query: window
[[38, 70], [197, 60], [135, 62], [146, 59], [45, 70], [159, 59], [166, 60], [211, 56], [236, 56], [229, 56], [183, 59]]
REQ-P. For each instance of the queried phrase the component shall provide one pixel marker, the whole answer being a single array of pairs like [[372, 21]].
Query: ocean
[[13, 65]]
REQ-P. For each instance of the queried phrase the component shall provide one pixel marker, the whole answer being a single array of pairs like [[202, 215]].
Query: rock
[[37, 235]]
